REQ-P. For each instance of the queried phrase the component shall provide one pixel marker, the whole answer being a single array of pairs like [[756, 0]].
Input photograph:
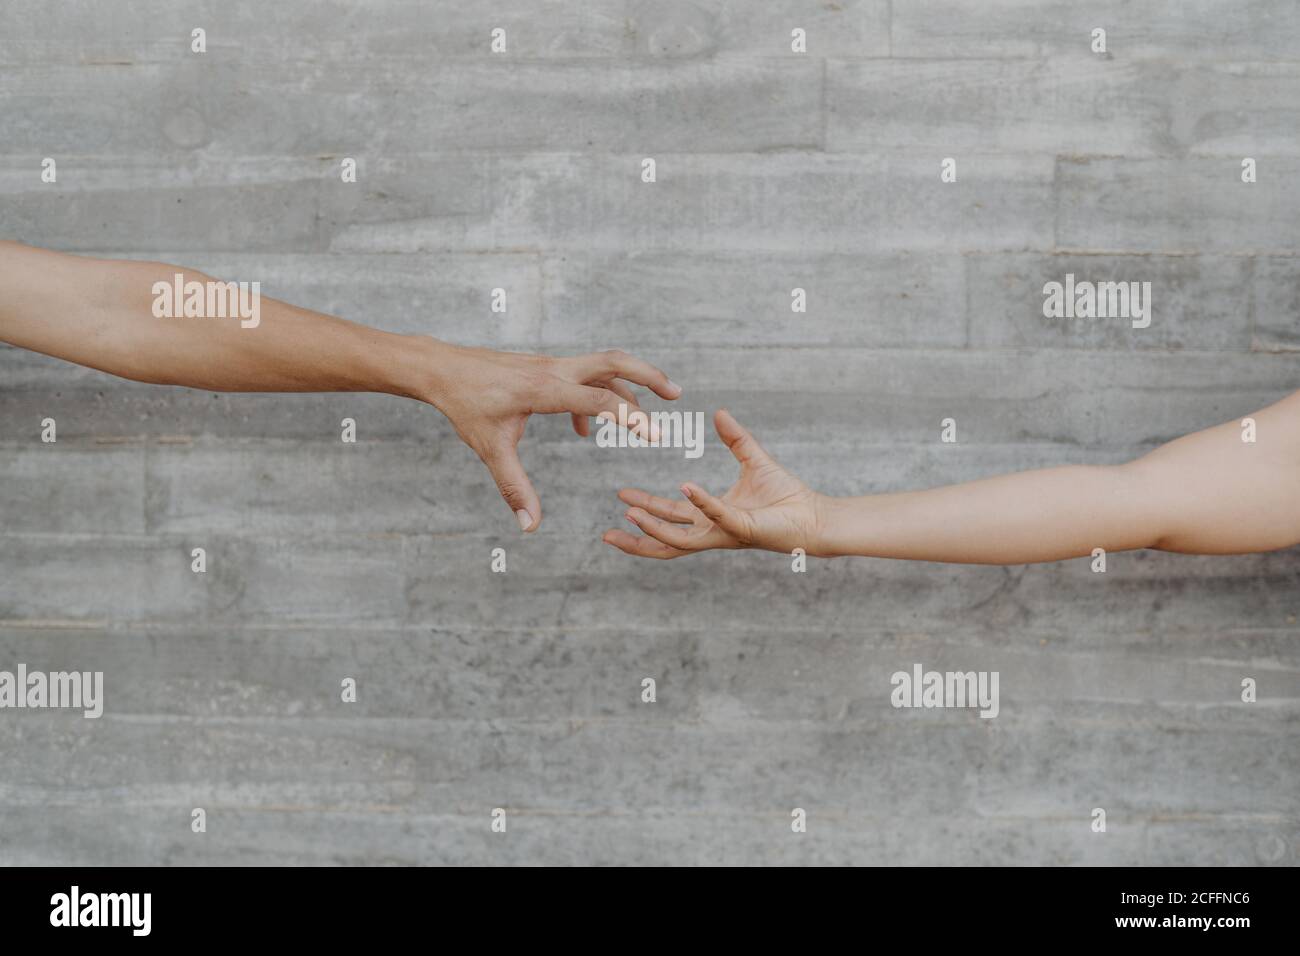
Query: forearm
[[1021, 518], [100, 313], [1205, 493]]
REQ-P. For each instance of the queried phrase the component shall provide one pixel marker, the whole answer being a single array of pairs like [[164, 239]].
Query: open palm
[[766, 508]]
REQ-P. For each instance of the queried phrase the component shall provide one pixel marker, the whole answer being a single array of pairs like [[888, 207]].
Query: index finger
[[615, 362]]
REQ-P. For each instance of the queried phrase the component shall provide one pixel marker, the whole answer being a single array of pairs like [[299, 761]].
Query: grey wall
[[775, 170]]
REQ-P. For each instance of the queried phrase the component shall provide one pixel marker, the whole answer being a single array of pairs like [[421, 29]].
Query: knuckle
[[510, 489]]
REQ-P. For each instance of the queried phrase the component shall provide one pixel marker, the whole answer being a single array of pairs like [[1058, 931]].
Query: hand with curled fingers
[[489, 395], [767, 508]]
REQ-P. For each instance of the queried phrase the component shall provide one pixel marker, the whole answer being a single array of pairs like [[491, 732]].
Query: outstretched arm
[[1206, 493], [101, 313]]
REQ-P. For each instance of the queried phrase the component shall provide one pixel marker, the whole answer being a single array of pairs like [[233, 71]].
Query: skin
[[99, 313], [1205, 493]]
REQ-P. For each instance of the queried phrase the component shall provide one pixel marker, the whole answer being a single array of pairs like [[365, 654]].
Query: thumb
[[512, 481], [743, 445], [729, 518]]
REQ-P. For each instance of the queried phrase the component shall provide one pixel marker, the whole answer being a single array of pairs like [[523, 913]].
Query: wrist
[[828, 515], [416, 366]]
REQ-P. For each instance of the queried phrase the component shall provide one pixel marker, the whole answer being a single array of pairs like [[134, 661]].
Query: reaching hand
[[489, 395], [766, 508]]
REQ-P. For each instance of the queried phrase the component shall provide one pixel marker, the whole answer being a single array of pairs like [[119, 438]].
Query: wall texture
[[521, 690]]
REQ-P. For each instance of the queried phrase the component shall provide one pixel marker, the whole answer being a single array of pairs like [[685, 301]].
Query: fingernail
[[525, 519], [686, 491], [674, 387], [628, 516]]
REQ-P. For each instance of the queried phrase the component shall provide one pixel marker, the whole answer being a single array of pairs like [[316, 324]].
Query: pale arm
[[1206, 493]]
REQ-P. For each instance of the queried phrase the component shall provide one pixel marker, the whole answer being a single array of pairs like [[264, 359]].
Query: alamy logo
[[666, 430], [36, 689], [922, 688], [102, 909], [1098, 300], [208, 300]]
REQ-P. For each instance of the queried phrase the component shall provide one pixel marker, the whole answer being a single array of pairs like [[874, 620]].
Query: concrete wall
[[522, 690]]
